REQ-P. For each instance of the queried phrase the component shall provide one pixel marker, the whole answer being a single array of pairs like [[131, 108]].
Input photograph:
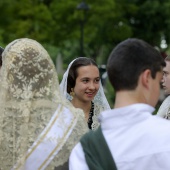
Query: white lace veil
[[164, 108], [29, 97], [99, 99]]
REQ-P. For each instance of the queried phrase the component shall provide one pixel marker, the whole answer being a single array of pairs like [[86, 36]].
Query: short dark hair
[[73, 74], [1, 51], [129, 59]]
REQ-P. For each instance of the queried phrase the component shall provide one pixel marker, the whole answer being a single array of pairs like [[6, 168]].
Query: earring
[[72, 94]]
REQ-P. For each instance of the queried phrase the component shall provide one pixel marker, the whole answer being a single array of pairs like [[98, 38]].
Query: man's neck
[[127, 97]]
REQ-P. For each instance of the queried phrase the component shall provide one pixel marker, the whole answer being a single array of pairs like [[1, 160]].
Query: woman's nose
[[91, 85]]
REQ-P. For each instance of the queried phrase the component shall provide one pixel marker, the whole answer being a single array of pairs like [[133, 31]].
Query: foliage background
[[56, 25]]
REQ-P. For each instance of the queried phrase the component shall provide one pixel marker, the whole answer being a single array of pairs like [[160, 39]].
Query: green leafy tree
[[148, 19], [56, 24]]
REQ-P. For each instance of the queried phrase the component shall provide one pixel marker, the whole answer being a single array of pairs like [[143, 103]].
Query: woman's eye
[[85, 81], [97, 80]]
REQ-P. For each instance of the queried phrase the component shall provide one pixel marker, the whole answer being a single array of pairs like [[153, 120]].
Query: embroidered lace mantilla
[[164, 108], [93, 122], [29, 96]]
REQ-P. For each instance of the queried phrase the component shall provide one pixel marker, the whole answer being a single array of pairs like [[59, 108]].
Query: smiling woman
[[82, 86]]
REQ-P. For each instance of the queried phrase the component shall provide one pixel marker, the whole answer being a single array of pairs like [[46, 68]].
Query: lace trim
[[97, 110], [164, 107]]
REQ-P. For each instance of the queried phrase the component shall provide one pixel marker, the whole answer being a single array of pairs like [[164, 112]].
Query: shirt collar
[[127, 114]]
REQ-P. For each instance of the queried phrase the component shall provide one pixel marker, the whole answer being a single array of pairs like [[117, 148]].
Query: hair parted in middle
[[73, 73]]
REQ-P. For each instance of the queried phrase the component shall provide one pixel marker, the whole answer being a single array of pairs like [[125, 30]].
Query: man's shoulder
[[158, 126]]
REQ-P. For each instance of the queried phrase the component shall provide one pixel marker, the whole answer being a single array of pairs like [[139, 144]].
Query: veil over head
[[100, 101], [100, 97], [30, 105], [164, 109]]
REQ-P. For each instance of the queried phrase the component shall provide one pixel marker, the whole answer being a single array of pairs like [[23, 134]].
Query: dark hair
[[1, 50], [73, 74], [129, 59]]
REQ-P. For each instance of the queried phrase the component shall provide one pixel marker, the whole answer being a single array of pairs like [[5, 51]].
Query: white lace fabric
[[29, 96], [100, 101], [164, 108]]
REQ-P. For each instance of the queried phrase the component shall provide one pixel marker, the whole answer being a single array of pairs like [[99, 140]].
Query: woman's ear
[[145, 78]]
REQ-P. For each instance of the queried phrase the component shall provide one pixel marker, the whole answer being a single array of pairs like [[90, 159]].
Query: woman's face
[[87, 83]]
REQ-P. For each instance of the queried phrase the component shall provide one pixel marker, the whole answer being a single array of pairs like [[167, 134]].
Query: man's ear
[[145, 78]]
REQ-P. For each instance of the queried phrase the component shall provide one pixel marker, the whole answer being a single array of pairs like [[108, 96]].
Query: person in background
[[129, 137], [38, 126], [165, 106], [82, 86]]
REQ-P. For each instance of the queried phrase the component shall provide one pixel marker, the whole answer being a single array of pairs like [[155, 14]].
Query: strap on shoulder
[[96, 150]]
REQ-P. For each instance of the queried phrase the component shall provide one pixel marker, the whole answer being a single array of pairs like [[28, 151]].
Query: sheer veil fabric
[[164, 109], [30, 103], [100, 101]]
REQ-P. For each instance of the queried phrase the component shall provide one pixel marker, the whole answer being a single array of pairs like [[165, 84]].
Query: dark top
[[96, 151], [90, 120]]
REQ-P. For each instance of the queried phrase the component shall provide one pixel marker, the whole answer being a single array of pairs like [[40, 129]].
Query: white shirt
[[137, 139]]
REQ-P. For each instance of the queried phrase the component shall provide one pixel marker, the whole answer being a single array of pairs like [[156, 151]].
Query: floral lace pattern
[[167, 116], [29, 96], [97, 110], [164, 108]]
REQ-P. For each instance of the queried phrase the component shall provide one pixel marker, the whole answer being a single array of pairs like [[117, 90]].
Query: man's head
[[129, 59], [166, 76], [136, 66]]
